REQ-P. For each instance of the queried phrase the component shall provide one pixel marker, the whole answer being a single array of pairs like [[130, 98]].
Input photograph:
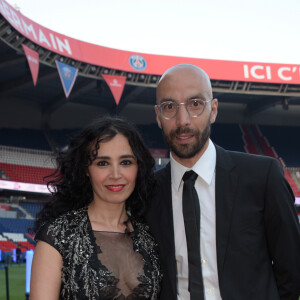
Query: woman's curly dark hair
[[70, 186]]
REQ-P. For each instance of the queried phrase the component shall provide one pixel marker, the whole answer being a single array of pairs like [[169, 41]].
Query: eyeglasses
[[194, 107]]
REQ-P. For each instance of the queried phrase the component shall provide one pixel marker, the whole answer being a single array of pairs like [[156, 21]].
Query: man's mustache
[[182, 130]]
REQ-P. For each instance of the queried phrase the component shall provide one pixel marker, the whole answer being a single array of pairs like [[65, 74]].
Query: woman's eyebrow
[[102, 157], [128, 156], [122, 156]]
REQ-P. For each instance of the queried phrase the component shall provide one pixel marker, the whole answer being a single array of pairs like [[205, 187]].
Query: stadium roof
[[247, 92]]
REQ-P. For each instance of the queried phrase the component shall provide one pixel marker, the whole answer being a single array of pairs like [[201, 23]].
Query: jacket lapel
[[226, 184]]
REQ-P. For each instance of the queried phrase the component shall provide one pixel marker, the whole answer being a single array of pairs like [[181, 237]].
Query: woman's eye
[[126, 162], [102, 163]]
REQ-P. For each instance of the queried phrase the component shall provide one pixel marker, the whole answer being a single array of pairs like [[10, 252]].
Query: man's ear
[[214, 110], [157, 117]]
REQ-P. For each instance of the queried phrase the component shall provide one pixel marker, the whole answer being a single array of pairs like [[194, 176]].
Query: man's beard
[[188, 150]]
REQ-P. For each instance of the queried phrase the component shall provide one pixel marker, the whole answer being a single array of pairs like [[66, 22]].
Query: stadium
[[259, 109]]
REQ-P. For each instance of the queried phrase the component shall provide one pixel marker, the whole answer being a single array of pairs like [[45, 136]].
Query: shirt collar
[[204, 167]]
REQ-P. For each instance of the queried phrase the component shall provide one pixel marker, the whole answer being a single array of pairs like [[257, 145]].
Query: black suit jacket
[[257, 229]]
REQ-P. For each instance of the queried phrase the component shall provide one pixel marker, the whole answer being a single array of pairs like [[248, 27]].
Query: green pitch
[[16, 275]]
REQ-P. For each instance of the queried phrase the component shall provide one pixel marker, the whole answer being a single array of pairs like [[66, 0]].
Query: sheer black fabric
[[104, 265], [116, 253]]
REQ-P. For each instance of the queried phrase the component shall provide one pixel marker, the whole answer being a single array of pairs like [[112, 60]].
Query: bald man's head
[[181, 67], [183, 75], [183, 90]]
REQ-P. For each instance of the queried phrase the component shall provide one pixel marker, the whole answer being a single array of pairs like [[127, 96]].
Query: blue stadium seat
[[32, 208], [15, 225]]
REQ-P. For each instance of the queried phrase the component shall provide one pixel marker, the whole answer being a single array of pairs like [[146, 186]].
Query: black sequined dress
[[103, 265]]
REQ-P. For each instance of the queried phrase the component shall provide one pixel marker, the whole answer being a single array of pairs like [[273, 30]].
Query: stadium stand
[[25, 173], [263, 143], [20, 212], [26, 156], [61, 137], [152, 135], [10, 241], [19, 239], [284, 140], [24, 138], [2, 228], [25, 165], [32, 207], [257, 143], [7, 246], [14, 225], [228, 136], [250, 145]]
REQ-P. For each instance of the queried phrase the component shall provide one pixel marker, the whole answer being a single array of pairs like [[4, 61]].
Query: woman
[[92, 242]]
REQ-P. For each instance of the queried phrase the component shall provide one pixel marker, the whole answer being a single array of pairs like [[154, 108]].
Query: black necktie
[[191, 216]]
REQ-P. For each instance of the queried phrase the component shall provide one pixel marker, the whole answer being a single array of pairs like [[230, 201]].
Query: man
[[249, 230]]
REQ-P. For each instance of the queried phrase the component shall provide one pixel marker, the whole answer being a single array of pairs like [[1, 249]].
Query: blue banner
[[67, 76]]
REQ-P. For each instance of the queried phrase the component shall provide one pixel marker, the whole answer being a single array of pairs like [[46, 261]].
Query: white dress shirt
[[205, 187]]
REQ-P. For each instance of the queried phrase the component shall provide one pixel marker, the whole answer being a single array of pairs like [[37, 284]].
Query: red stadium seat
[[27, 174]]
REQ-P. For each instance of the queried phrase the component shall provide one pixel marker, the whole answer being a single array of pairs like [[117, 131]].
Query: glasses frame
[[181, 103]]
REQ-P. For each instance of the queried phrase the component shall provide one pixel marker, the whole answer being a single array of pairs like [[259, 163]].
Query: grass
[[16, 275]]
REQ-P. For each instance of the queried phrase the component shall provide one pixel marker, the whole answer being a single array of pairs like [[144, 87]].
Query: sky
[[239, 30]]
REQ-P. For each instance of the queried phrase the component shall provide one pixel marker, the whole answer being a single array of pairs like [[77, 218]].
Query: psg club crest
[[137, 62], [67, 73]]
